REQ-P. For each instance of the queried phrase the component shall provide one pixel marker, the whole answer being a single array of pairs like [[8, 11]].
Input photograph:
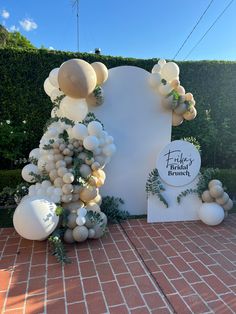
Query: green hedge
[[10, 178], [22, 73]]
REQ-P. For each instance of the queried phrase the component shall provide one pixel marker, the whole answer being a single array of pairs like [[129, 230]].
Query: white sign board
[[141, 127], [179, 163]]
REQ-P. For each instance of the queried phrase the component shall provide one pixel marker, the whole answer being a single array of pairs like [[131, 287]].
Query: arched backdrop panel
[[133, 114]]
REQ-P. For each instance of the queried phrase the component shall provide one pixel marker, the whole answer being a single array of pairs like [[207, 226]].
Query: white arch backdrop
[[141, 127]]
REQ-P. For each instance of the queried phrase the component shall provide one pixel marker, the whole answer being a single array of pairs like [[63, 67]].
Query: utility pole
[[76, 4]]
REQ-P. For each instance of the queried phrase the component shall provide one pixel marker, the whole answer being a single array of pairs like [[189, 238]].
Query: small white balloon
[[80, 220], [164, 90], [35, 153], [45, 184], [90, 142], [94, 128], [82, 211], [79, 131]]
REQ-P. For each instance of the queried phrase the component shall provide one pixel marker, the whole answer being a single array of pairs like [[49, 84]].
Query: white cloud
[[28, 25], [5, 14], [13, 28], [51, 48]]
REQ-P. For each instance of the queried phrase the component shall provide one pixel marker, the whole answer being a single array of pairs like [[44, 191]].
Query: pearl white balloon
[[79, 131], [80, 220], [50, 190], [74, 109], [35, 153], [25, 173], [156, 68], [68, 178], [48, 87], [211, 214], [35, 218], [170, 71], [53, 77], [90, 142], [94, 128], [91, 233]]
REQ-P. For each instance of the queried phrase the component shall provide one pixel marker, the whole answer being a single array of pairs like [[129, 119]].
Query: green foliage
[[7, 196], [111, 208], [193, 141], [204, 178], [155, 187], [57, 247], [22, 97]]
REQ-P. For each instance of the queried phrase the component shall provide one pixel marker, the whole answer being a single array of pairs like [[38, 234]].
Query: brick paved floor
[[137, 268]]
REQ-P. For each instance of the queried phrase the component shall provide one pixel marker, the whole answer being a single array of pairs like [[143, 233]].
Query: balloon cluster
[[67, 168], [217, 194], [76, 84], [164, 79]]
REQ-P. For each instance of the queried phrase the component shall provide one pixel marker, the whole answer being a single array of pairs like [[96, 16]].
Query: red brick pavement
[[184, 267]]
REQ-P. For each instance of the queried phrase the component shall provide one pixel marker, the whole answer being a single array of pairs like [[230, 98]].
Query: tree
[[13, 39]]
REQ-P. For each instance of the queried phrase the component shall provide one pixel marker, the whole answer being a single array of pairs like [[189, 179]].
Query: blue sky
[[128, 28]]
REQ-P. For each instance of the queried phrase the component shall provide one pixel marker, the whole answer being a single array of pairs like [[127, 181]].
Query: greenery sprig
[[89, 118], [57, 247], [155, 187], [111, 208], [204, 178], [39, 177], [57, 101]]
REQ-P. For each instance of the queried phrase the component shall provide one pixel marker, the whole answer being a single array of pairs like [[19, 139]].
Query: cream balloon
[[94, 128], [35, 153], [80, 233], [35, 218], [79, 131], [91, 142], [77, 78], [229, 205], [190, 114], [53, 77], [170, 71], [156, 68], [101, 72], [73, 109], [68, 236], [223, 199], [206, 197], [48, 87], [96, 98]]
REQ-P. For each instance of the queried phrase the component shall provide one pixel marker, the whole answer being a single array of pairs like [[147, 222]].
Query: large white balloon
[[48, 87], [74, 109], [35, 218], [155, 80], [53, 77], [25, 173], [211, 214], [170, 71]]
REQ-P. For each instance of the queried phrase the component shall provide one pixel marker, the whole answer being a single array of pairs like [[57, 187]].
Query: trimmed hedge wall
[[22, 73]]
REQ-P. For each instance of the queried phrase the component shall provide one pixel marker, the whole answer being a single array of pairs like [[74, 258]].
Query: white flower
[[24, 121], [8, 121], [11, 132]]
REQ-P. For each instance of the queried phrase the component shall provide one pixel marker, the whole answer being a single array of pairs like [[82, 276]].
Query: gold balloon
[[101, 72], [88, 193], [77, 78]]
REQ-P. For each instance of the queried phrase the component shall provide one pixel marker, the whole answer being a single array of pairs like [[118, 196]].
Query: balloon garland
[[67, 169], [164, 80]]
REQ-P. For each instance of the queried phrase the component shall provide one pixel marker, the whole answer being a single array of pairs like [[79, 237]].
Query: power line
[[204, 35], [193, 29]]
